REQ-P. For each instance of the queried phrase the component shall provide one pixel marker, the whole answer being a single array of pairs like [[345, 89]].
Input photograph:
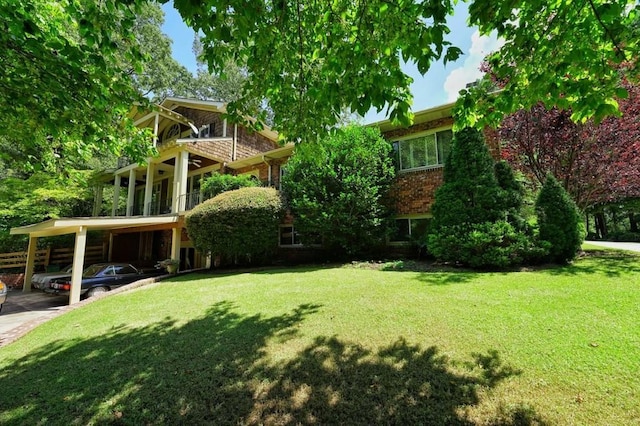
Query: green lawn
[[342, 346]]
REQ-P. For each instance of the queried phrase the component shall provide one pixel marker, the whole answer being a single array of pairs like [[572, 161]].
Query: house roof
[[274, 154], [63, 226], [171, 103], [423, 116]]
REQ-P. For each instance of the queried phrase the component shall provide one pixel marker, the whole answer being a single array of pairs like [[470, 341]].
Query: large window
[[410, 229], [429, 150]]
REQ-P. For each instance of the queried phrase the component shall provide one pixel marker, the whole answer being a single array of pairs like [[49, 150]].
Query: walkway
[[615, 245]]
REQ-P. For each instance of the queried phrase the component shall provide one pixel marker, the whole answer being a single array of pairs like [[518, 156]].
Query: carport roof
[[63, 226]]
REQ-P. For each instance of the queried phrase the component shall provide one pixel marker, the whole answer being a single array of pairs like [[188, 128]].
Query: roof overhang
[[62, 226], [264, 157], [423, 116], [171, 103]]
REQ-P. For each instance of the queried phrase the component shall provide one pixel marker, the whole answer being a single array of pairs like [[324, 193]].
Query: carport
[[80, 227]]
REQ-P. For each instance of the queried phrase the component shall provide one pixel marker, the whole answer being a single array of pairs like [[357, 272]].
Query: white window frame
[[204, 131], [293, 233], [440, 161]]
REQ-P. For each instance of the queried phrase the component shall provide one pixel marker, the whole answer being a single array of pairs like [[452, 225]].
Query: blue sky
[[440, 85]]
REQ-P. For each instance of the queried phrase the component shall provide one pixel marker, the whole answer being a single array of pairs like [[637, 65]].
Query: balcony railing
[[157, 207], [186, 202]]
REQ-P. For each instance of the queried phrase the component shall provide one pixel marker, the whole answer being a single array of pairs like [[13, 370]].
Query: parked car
[[3, 294], [43, 280], [102, 277]]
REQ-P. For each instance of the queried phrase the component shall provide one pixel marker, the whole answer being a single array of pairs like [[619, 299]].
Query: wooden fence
[[46, 257]]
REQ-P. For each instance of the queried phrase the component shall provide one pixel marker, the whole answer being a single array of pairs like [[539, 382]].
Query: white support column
[[224, 128], [31, 261], [131, 193], [78, 265], [155, 130], [97, 200], [175, 196], [116, 196], [184, 171], [178, 200], [148, 188], [234, 153], [176, 235]]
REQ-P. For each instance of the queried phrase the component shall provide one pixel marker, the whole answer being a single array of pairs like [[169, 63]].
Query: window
[[207, 131], [410, 229], [171, 132], [424, 151], [289, 236]]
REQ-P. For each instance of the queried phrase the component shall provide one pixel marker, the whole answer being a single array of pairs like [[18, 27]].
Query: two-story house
[[193, 139]]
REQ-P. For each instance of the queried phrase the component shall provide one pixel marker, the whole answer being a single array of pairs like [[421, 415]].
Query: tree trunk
[[633, 223], [601, 225], [586, 221]]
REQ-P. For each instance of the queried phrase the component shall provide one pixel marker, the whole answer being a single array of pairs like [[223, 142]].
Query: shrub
[[337, 189], [488, 244], [512, 194], [470, 193], [559, 221], [626, 236], [238, 225], [476, 213], [218, 183]]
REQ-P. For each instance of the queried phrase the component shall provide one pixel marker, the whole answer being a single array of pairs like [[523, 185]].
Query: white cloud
[[458, 78]]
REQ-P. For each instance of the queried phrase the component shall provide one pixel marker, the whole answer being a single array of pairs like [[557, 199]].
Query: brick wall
[[263, 170], [414, 192]]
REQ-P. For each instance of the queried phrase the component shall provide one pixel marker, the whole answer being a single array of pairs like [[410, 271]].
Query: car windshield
[[92, 270]]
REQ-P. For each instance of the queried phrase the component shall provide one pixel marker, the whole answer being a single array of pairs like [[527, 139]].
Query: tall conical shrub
[[471, 209], [559, 221]]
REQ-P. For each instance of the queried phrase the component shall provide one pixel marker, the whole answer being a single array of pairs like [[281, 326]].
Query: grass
[[342, 345]]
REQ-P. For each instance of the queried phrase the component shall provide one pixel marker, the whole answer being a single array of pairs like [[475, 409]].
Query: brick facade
[[414, 191], [263, 171]]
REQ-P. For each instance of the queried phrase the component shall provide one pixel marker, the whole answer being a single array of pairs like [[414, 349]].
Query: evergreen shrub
[[476, 213], [337, 190], [559, 221], [241, 225]]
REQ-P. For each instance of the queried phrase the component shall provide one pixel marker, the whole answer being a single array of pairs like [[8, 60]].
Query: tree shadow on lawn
[[216, 370], [608, 263]]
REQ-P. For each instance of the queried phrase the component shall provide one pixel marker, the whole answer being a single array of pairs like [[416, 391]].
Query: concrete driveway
[[23, 311], [619, 246]]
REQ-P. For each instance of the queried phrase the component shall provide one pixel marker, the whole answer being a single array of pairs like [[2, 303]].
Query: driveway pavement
[[23, 311], [620, 246]]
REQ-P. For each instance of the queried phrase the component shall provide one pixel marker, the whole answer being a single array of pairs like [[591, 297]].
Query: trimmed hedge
[[238, 225], [217, 183]]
